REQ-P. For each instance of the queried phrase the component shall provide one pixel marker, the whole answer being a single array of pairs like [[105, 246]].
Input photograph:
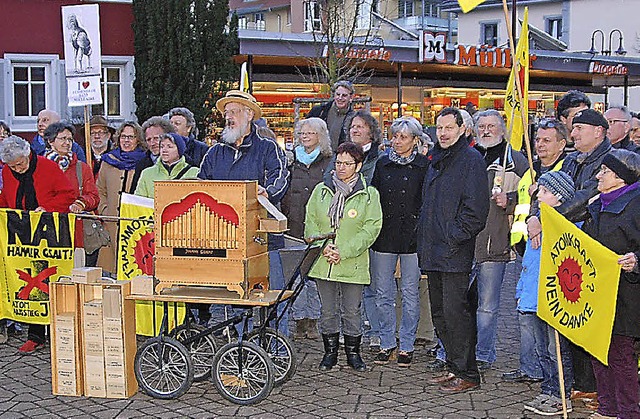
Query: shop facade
[[420, 78]]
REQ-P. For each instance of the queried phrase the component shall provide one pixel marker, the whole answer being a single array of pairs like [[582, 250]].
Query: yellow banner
[[469, 5], [36, 249], [513, 103], [578, 284], [136, 248]]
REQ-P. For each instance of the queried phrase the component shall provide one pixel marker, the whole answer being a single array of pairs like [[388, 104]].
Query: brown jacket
[[111, 183]]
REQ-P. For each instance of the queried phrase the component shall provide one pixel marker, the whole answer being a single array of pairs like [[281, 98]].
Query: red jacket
[[53, 191]]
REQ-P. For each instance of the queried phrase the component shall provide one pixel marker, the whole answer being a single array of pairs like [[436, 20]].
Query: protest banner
[[578, 284], [36, 249]]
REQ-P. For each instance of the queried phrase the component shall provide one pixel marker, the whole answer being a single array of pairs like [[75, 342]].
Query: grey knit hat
[[560, 184]]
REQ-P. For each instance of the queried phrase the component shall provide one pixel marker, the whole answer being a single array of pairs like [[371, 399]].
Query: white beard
[[232, 135]]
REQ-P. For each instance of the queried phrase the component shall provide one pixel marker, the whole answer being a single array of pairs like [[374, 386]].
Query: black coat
[[144, 163], [195, 151], [617, 227], [455, 205], [303, 179], [322, 112], [582, 170], [400, 188]]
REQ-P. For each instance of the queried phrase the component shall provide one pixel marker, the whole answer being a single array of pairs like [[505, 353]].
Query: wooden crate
[[66, 348], [109, 338], [207, 233]]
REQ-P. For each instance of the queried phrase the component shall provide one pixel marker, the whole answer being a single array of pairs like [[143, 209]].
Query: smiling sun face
[[570, 279]]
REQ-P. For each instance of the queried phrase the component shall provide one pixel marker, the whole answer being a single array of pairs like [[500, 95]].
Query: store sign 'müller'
[[360, 53], [485, 56]]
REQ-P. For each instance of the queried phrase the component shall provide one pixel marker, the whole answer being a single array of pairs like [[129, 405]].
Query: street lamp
[[603, 51]]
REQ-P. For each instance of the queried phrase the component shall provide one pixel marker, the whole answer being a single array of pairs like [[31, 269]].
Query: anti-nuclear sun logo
[[144, 251], [570, 279]]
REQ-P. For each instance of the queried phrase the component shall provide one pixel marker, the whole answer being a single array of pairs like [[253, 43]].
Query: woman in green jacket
[[170, 165], [346, 205]]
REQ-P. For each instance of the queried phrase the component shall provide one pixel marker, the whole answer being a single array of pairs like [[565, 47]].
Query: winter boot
[[330, 358], [352, 349], [312, 329]]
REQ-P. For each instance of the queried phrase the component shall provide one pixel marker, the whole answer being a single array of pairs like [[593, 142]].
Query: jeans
[[488, 276], [533, 344], [550, 377], [618, 383], [341, 307], [383, 266], [370, 309], [454, 317], [307, 305]]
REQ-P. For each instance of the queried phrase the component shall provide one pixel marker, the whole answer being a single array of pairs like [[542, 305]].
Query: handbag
[[94, 234]]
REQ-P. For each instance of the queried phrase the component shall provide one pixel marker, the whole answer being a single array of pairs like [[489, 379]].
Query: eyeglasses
[[127, 137], [65, 139], [613, 121], [307, 133], [232, 112], [345, 163], [547, 123], [604, 170]]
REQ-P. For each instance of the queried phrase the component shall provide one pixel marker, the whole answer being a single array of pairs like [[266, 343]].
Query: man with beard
[[101, 134], [243, 154]]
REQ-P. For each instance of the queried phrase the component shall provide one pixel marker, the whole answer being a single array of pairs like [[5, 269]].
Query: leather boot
[[330, 358], [301, 329], [312, 329], [352, 349]]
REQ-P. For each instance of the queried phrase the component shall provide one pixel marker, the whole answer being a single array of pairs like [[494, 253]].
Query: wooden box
[[207, 233], [66, 348]]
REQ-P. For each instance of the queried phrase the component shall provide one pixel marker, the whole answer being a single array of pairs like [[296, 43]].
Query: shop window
[[405, 8], [489, 33], [312, 16], [554, 26]]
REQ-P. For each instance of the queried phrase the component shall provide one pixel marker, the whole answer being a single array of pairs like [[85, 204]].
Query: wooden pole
[[523, 111], [560, 374], [87, 136]]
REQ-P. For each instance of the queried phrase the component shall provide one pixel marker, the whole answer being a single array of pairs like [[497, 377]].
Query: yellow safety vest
[[519, 227]]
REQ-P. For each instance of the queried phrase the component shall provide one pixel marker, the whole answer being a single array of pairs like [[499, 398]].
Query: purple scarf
[[123, 160], [607, 198]]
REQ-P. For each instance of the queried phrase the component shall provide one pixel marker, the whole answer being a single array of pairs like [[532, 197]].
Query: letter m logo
[[434, 46]]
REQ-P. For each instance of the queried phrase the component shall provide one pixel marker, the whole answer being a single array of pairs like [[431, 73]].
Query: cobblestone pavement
[[380, 392]]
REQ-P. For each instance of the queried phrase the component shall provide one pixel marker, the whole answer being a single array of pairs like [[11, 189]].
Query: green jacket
[[358, 229], [159, 172]]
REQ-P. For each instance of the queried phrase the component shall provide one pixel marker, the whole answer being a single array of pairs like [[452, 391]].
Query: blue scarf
[[123, 160], [306, 158]]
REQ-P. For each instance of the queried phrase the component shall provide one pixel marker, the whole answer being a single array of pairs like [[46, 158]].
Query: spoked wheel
[[163, 368], [242, 373], [279, 350], [202, 350]]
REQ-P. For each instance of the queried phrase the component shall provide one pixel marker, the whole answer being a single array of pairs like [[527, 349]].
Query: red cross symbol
[[35, 282]]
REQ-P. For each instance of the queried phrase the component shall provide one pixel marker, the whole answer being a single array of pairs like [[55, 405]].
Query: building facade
[[32, 63]]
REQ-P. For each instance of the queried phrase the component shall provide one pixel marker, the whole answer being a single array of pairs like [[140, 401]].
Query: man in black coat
[[337, 112], [454, 210]]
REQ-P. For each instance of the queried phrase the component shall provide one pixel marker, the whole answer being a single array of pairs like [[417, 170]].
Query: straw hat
[[243, 98], [100, 121]]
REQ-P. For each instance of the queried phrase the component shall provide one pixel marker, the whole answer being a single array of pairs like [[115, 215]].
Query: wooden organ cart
[[209, 233], [211, 248]]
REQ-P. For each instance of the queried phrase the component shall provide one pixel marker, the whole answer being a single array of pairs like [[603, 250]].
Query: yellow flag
[[136, 249], [578, 284], [469, 5], [244, 78], [519, 73]]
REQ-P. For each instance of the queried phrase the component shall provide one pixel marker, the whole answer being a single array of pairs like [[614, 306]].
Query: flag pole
[[515, 62], [560, 374], [87, 136]]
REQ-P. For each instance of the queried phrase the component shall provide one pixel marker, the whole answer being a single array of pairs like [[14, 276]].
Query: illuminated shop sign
[[485, 56], [434, 47], [360, 53], [597, 67]]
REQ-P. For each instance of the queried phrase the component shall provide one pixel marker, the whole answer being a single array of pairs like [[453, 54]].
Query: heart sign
[[85, 84]]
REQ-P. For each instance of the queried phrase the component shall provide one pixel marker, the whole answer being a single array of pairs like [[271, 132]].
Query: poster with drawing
[[81, 33]]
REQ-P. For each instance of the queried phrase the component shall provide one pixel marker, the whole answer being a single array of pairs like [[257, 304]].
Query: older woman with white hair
[[398, 178], [32, 183], [312, 155]]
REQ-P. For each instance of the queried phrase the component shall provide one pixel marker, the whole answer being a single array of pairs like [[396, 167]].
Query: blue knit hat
[[179, 141], [560, 184]]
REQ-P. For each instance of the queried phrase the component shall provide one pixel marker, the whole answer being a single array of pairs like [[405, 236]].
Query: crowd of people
[[423, 229]]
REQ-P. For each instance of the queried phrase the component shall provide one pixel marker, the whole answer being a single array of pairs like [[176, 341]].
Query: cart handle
[[320, 237]]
